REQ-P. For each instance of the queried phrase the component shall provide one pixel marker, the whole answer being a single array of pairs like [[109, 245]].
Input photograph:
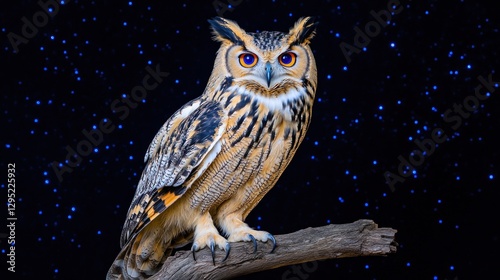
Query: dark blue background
[[64, 79]]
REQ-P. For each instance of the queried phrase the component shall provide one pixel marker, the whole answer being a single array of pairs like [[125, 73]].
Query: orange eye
[[288, 59], [248, 60]]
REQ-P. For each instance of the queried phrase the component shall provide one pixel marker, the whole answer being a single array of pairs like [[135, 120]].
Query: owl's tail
[[141, 257]]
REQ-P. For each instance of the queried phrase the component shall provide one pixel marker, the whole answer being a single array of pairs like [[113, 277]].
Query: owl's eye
[[248, 60], [288, 59]]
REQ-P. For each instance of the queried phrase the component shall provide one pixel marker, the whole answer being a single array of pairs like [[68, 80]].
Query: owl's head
[[267, 62]]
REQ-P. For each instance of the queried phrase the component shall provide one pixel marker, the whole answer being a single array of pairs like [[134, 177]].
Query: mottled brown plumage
[[218, 155]]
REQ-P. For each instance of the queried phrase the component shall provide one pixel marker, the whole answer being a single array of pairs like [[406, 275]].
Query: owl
[[218, 155]]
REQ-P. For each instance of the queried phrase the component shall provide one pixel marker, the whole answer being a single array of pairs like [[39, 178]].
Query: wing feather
[[182, 149]]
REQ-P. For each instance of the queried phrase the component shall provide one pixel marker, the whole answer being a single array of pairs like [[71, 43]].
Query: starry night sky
[[411, 78]]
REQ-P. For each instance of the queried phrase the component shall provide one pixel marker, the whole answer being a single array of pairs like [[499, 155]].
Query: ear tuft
[[225, 30], [303, 31]]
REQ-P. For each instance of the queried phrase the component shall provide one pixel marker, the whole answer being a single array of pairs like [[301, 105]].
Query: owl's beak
[[269, 73]]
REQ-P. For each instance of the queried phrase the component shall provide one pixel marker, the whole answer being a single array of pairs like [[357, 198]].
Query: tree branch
[[361, 238]]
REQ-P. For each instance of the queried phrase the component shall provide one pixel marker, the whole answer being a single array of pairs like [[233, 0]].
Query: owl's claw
[[254, 242], [212, 249], [271, 237], [245, 233], [211, 243], [228, 248], [194, 248]]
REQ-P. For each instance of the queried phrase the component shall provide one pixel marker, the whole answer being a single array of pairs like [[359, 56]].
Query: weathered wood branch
[[361, 238]]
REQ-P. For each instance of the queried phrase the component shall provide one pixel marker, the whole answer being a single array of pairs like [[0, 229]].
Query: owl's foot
[[207, 235], [245, 233]]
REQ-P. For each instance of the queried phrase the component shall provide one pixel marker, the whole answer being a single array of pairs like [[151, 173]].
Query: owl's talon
[[194, 248], [254, 242], [212, 249], [227, 249], [271, 237], [245, 233], [211, 239]]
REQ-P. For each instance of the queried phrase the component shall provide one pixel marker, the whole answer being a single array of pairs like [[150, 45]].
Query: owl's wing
[[183, 148]]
